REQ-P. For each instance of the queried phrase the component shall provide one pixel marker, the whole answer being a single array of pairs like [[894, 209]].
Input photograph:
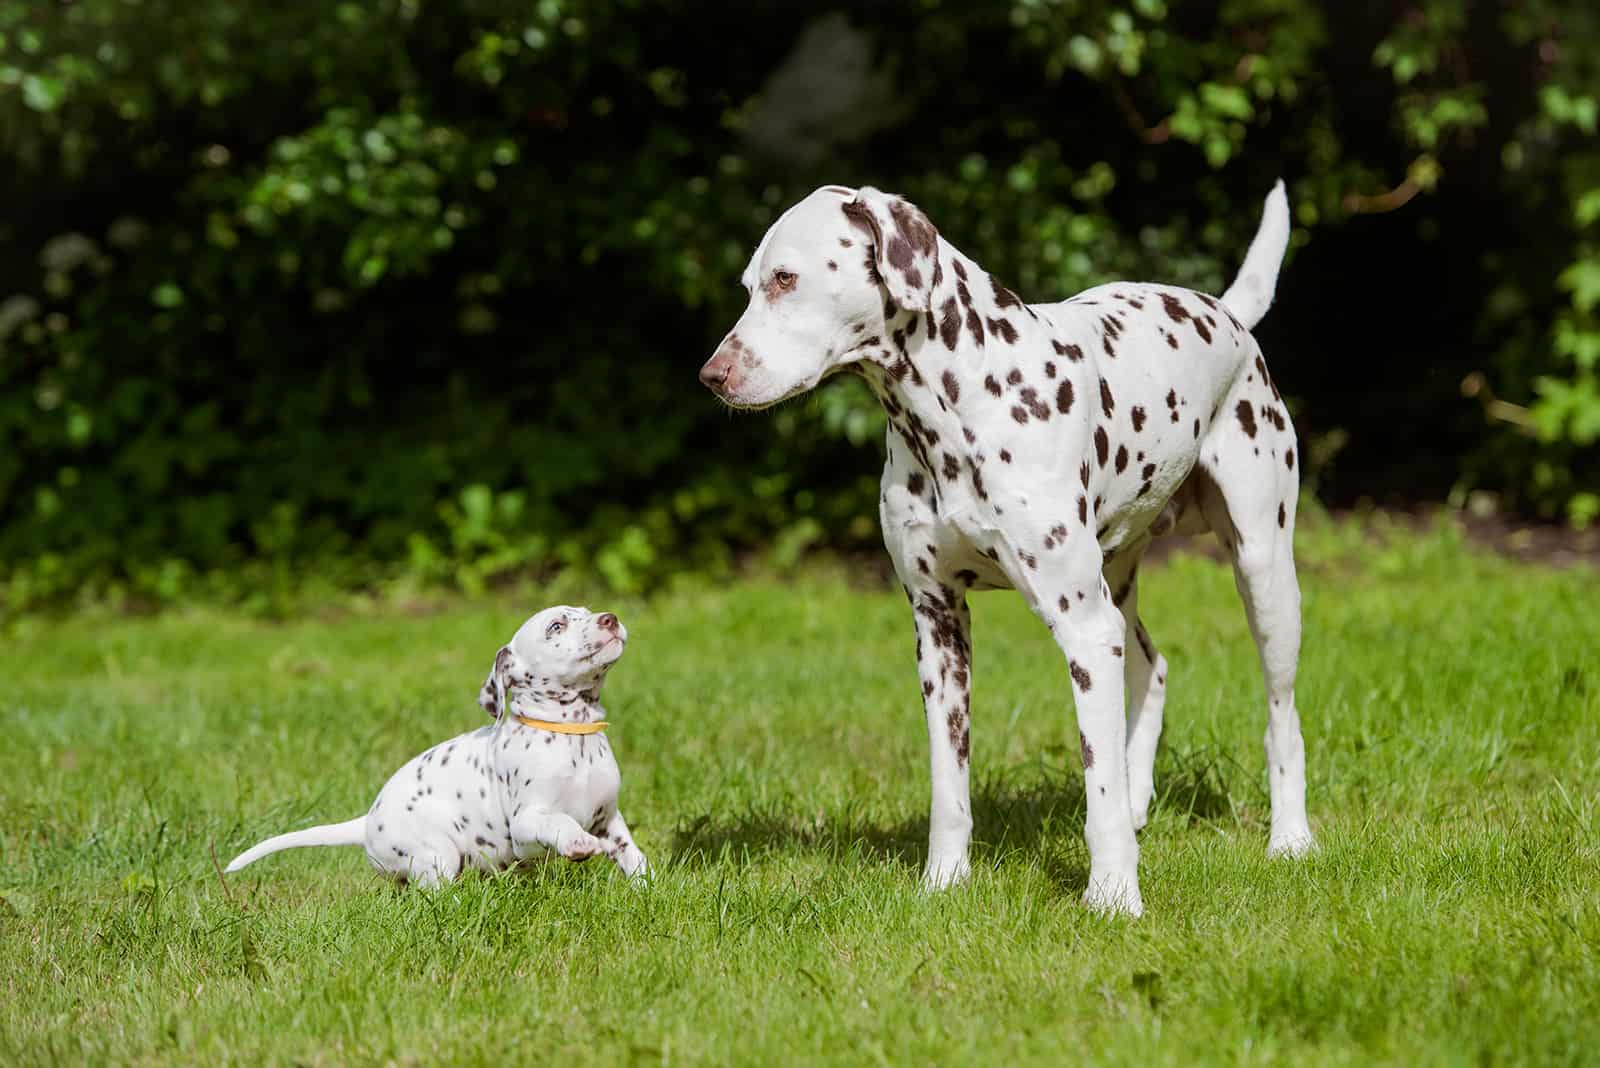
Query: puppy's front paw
[[582, 847]]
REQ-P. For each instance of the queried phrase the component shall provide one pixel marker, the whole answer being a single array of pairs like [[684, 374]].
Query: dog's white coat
[[1040, 448], [506, 792]]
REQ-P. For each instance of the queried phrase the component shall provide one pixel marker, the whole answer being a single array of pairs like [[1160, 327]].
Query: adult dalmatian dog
[[541, 779], [1040, 448]]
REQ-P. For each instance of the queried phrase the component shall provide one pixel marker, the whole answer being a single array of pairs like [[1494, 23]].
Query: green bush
[[305, 293]]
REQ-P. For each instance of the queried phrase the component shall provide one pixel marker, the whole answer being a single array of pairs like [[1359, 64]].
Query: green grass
[[772, 750]]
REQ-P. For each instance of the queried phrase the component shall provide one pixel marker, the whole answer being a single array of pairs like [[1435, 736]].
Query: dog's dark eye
[[555, 628], [784, 279]]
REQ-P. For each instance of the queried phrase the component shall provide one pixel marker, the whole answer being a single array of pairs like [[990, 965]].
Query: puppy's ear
[[905, 246], [493, 695]]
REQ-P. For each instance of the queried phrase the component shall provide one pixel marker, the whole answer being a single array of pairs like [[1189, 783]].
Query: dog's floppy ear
[[493, 695], [905, 246]]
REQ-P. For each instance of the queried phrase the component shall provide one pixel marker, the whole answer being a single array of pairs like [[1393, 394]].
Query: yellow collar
[[555, 726]]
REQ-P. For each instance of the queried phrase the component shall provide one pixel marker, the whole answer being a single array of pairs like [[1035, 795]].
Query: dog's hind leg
[[1145, 678], [1251, 459], [432, 870]]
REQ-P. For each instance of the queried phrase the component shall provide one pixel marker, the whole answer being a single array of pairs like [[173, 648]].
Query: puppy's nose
[[608, 622], [717, 369]]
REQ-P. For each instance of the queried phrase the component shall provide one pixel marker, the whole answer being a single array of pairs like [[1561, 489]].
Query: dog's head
[[822, 284], [557, 653]]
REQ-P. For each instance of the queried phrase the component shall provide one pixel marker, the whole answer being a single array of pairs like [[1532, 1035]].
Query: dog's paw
[[1114, 895], [942, 873], [1292, 844], [1114, 891], [582, 847]]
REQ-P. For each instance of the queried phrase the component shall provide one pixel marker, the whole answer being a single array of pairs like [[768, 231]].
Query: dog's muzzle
[[721, 373], [717, 370]]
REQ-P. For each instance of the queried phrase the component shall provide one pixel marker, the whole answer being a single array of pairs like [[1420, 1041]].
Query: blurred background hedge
[[348, 291]]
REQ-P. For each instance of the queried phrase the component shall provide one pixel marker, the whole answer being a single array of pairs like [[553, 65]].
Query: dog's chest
[[571, 774]]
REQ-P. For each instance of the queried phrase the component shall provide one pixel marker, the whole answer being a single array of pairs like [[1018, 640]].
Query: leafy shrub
[[303, 293]]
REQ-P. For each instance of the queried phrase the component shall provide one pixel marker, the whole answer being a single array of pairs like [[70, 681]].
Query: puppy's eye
[[783, 279], [555, 628]]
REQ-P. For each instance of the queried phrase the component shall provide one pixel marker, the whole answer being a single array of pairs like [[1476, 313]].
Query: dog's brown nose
[[717, 369], [607, 621]]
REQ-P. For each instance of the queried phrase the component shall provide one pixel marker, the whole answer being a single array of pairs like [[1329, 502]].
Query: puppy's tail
[[1251, 293], [350, 832]]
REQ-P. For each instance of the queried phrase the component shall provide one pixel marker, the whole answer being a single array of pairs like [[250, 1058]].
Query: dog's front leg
[[533, 831], [629, 857], [1089, 630], [944, 666]]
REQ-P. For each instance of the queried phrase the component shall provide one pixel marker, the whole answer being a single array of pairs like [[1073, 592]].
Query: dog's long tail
[[350, 832], [1251, 293]]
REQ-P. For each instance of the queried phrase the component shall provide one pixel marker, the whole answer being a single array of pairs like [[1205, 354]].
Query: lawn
[[772, 750]]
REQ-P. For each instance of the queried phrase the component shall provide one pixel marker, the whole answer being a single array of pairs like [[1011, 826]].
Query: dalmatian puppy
[[541, 779], [1040, 448]]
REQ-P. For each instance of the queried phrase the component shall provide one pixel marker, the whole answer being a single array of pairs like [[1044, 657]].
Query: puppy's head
[[822, 284], [558, 653]]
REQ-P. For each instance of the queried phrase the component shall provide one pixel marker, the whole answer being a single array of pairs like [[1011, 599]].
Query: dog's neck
[[930, 368], [552, 702]]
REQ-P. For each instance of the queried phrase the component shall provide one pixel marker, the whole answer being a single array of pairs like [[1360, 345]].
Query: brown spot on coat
[[991, 385], [951, 388], [975, 326], [1080, 676], [1122, 458], [1247, 417], [1102, 445], [1085, 750], [949, 323], [1003, 297], [1038, 408], [1064, 397], [1107, 403]]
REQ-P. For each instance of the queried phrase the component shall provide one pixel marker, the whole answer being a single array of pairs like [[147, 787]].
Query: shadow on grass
[[1021, 809]]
